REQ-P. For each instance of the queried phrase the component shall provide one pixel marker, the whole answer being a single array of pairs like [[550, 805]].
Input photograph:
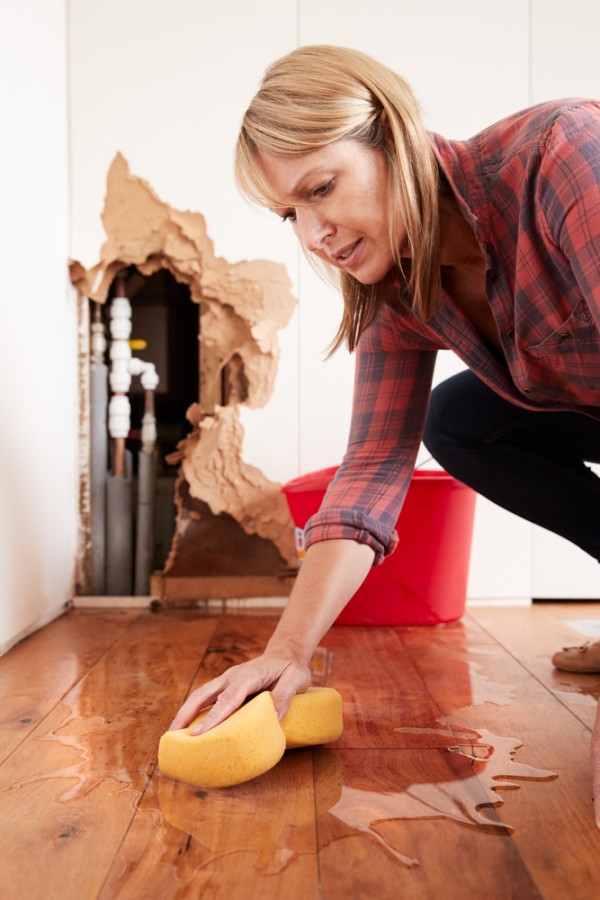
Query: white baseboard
[[218, 604], [92, 602]]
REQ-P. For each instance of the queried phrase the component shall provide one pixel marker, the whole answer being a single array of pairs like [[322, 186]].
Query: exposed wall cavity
[[243, 305]]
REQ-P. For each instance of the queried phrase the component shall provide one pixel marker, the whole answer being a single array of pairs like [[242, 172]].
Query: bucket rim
[[320, 479]]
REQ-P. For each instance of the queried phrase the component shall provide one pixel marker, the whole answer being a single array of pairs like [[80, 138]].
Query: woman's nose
[[313, 229]]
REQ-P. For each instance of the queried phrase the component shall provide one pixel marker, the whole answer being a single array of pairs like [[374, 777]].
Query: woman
[[489, 247]]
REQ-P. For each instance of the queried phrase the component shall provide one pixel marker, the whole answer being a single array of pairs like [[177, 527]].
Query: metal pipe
[[98, 466], [119, 537], [144, 544], [99, 449], [144, 547], [119, 457]]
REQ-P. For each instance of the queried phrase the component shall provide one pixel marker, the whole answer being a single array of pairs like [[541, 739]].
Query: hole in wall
[[164, 331], [165, 319], [210, 328]]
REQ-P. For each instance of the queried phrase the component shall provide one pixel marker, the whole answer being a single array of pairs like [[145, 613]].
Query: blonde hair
[[320, 94]]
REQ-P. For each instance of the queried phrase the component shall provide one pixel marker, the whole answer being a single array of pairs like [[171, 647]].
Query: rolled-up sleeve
[[391, 394]]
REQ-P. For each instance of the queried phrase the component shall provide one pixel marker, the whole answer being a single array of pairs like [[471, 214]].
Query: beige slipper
[[584, 658]]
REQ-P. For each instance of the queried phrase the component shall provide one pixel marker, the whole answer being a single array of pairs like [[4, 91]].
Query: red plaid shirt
[[529, 187]]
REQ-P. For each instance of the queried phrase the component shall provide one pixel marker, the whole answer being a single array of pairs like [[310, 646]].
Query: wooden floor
[[463, 767]]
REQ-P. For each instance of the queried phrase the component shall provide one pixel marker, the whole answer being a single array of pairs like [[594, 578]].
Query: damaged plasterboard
[[244, 305], [211, 462]]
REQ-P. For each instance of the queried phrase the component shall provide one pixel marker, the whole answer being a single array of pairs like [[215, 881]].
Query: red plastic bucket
[[424, 582]]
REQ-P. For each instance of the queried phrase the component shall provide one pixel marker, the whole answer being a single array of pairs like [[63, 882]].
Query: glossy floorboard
[[462, 770]]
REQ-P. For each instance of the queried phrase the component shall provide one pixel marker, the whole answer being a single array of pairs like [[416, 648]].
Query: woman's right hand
[[272, 671], [330, 574]]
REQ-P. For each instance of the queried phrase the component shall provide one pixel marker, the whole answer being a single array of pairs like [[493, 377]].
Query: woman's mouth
[[348, 254]]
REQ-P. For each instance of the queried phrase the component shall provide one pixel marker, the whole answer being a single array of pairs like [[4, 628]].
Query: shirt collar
[[459, 162]]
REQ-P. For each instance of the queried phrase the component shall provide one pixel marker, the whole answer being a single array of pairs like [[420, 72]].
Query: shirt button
[[491, 275], [528, 390], [511, 333], [485, 247], [565, 336]]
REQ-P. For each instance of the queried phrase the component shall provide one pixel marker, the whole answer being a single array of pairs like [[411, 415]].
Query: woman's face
[[336, 199]]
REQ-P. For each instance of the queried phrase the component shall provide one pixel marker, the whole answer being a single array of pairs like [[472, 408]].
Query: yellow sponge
[[252, 740], [314, 717], [245, 745]]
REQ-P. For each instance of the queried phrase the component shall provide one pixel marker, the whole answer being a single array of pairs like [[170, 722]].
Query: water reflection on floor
[[314, 798], [223, 820], [358, 792]]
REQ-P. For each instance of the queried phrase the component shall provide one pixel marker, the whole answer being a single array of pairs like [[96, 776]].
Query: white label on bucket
[[299, 539]]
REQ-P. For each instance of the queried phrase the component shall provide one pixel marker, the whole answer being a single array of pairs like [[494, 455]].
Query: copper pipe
[[119, 457], [120, 286], [149, 401]]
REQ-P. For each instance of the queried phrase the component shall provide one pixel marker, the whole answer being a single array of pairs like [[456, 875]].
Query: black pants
[[531, 463]]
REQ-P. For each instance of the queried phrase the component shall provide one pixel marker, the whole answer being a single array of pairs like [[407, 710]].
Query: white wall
[[564, 63], [167, 82], [38, 514]]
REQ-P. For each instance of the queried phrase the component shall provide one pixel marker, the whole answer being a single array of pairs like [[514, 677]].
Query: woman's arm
[[390, 401], [329, 575]]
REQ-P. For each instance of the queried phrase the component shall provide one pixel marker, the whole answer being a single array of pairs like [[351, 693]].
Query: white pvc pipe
[[123, 366], [119, 409]]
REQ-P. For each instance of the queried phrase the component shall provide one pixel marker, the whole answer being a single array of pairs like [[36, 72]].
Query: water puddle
[[589, 628], [484, 690], [266, 823], [489, 757], [585, 694], [468, 672], [321, 666], [88, 752], [312, 800], [276, 811]]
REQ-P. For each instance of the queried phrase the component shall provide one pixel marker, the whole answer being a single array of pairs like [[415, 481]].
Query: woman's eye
[[322, 190], [289, 216]]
